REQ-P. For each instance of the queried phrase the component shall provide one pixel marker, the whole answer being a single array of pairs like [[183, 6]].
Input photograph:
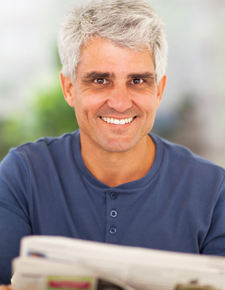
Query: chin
[[117, 147]]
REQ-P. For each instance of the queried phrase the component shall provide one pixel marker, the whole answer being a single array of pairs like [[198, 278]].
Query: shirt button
[[113, 231], [113, 213], [113, 195]]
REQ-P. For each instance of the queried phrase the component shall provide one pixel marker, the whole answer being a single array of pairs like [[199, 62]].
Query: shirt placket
[[112, 216]]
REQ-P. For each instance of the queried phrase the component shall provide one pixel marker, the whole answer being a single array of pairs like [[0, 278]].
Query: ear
[[67, 88], [160, 89]]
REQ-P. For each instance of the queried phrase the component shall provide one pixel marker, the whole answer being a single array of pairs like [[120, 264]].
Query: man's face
[[115, 95]]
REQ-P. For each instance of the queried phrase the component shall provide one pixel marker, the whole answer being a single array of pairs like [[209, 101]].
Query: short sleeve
[[214, 243], [14, 213]]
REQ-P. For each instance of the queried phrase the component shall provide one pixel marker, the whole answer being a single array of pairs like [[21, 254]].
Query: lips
[[117, 121]]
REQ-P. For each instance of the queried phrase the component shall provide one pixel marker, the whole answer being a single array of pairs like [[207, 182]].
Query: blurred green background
[[47, 114]]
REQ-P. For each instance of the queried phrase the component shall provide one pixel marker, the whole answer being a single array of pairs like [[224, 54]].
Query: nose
[[119, 98]]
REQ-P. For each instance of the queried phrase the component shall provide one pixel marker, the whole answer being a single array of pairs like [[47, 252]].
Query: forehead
[[103, 55]]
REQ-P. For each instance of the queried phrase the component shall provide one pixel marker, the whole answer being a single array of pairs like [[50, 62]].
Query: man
[[112, 181]]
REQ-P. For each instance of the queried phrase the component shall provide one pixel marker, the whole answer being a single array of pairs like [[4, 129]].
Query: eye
[[137, 81], [100, 81]]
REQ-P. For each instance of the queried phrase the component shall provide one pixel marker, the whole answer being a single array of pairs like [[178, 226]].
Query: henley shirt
[[46, 189]]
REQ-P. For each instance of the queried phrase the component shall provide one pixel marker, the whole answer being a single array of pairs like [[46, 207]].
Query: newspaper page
[[142, 269], [35, 273]]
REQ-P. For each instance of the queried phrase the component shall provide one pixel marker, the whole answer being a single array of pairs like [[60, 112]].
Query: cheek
[[147, 103], [87, 106], [91, 102]]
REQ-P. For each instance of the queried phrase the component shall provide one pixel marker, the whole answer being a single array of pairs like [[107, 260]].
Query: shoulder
[[41, 152], [46, 145], [181, 153], [180, 160], [48, 142]]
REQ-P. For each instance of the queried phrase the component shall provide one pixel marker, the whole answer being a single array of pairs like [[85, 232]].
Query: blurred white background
[[192, 112]]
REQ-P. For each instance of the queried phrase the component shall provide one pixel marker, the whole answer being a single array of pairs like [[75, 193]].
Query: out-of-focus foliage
[[53, 115], [49, 115], [11, 134]]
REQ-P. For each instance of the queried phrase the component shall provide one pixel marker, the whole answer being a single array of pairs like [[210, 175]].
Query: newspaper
[[41, 274], [65, 263]]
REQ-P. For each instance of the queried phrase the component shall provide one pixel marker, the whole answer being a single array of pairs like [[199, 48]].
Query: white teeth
[[117, 121], [122, 122]]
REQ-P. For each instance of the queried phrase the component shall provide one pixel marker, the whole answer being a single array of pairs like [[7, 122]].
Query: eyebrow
[[146, 75], [96, 75]]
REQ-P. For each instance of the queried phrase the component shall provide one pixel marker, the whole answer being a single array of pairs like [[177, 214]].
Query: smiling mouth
[[118, 121]]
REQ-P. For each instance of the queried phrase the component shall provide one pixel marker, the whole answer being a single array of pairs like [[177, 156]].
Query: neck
[[113, 168]]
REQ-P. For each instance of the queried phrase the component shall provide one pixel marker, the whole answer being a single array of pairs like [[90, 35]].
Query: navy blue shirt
[[45, 189]]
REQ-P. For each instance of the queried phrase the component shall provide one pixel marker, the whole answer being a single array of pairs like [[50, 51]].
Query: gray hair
[[127, 23]]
